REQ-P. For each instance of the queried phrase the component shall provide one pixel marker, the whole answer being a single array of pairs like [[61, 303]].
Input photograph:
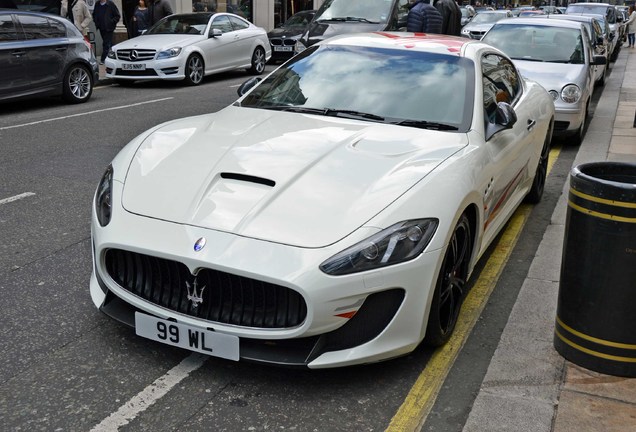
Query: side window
[[238, 24], [222, 23], [7, 29], [35, 27], [57, 29], [501, 83]]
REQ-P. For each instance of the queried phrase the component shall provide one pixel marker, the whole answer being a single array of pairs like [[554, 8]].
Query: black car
[[283, 38], [44, 54], [352, 16]]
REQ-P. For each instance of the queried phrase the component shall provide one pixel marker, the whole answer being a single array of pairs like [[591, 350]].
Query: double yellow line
[[418, 403]]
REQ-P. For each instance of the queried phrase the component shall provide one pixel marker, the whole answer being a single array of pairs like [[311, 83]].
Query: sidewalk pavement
[[529, 387]]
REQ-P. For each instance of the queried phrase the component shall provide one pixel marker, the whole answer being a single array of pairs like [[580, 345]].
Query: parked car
[[516, 11], [531, 13], [283, 38], [551, 10], [559, 56], [482, 22], [598, 39], [43, 54], [188, 47], [332, 215], [612, 17], [337, 17]]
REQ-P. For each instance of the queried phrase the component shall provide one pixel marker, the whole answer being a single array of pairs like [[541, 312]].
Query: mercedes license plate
[[283, 48], [133, 66], [188, 337]]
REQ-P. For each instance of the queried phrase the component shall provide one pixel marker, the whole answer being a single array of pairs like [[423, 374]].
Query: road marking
[[418, 403], [86, 113], [16, 197], [151, 394]]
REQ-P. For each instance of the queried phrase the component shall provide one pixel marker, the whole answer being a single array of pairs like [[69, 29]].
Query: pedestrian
[[423, 18], [451, 17], [79, 14], [158, 9], [106, 16], [631, 26], [141, 18]]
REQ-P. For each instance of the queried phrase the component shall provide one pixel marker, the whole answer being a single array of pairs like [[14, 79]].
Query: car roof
[[435, 43], [543, 21], [579, 18], [590, 4], [501, 11]]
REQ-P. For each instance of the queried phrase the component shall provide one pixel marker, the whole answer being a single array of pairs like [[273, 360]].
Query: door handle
[[531, 124], [18, 53]]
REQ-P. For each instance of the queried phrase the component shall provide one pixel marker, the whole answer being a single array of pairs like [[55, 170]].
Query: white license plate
[[133, 66], [283, 48], [188, 337]]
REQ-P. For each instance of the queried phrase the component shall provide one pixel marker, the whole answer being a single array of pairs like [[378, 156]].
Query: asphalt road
[[64, 366]]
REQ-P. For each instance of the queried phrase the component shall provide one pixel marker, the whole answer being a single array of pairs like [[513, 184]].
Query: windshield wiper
[[528, 59], [349, 19], [423, 124], [294, 108], [340, 113]]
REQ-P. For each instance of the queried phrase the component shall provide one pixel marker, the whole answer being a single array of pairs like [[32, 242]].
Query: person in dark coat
[[451, 17], [423, 18], [158, 9], [106, 16]]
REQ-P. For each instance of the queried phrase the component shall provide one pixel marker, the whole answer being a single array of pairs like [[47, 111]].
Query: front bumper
[[360, 318], [567, 121]]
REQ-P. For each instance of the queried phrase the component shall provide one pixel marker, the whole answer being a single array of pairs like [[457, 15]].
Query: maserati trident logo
[[194, 294], [199, 244]]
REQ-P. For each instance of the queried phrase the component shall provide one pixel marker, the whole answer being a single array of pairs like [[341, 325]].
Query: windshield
[[192, 24], [538, 43], [382, 85], [375, 11], [483, 18]]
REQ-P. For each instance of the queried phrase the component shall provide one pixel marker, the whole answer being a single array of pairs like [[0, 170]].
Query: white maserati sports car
[[188, 47], [333, 214]]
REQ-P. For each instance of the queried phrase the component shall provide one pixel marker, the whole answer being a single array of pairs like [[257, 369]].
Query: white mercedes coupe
[[188, 47], [333, 214]]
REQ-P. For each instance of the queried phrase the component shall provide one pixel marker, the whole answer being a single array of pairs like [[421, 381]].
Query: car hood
[[478, 27], [158, 42], [296, 179], [286, 32], [553, 76]]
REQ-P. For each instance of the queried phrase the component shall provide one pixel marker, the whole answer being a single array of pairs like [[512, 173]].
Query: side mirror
[[598, 60], [505, 118], [247, 85], [611, 36], [215, 32], [599, 40]]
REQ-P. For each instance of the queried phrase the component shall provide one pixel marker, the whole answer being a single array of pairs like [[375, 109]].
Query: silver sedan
[[559, 56]]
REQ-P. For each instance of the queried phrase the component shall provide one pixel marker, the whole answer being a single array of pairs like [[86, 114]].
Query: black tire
[[194, 70], [258, 61], [78, 84], [450, 286], [536, 191]]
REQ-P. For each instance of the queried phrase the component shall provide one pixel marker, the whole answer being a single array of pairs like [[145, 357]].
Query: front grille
[[280, 42], [134, 55], [477, 34], [227, 298], [134, 73]]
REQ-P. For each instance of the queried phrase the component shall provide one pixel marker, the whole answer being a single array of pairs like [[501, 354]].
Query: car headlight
[[554, 94], [111, 54], [103, 197], [299, 47], [465, 31], [398, 243], [571, 93], [169, 53]]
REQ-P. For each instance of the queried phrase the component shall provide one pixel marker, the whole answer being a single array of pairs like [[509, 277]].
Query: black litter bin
[[596, 312]]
